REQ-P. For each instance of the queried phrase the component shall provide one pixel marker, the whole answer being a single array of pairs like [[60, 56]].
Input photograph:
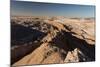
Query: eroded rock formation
[[47, 41]]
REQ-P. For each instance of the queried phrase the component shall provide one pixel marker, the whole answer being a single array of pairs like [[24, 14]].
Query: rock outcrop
[[51, 41]]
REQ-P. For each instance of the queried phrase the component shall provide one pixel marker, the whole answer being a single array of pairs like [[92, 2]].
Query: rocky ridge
[[51, 41]]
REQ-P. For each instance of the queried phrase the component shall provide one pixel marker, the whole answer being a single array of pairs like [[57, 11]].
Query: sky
[[22, 8]]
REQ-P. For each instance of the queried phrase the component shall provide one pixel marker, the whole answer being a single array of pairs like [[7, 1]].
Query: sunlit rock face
[[48, 40]]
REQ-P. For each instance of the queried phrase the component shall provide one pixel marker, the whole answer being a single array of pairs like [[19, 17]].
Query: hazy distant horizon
[[22, 8]]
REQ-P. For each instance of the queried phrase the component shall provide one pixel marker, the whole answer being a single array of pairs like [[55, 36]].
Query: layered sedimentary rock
[[52, 40]]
